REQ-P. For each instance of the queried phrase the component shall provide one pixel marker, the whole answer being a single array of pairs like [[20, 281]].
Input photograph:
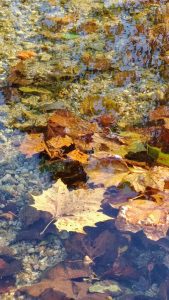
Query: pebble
[[8, 179]]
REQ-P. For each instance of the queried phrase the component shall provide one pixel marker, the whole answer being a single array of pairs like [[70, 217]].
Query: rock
[[8, 179], [6, 251]]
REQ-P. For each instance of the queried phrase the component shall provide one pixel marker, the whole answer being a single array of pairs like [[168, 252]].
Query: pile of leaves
[[108, 159]]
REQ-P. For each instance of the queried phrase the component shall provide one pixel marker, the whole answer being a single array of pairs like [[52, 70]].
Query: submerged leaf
[[26, 54], [32, 144], [144, 215], [158, 155], [29, 89]]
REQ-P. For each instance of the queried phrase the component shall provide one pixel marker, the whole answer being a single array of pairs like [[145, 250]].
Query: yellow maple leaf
[[72, 210]]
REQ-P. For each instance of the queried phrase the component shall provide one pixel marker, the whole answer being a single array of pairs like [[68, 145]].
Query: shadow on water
[[106, 62]]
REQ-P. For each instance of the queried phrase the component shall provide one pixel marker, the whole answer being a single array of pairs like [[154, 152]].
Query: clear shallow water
[[114, 50]]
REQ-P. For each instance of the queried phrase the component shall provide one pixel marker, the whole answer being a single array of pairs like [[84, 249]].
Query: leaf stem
[[43, 231]]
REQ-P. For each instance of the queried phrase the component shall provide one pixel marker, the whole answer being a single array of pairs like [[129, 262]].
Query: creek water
[[93, 57]]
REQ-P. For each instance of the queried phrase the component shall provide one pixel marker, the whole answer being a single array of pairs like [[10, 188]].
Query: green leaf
[[158, 155], [28, 89], [70, 36]]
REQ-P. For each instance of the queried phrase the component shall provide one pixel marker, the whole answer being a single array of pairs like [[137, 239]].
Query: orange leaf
[[8, 216], [55, 145], [26, 54], [33, 143], [79, 156], [64, 122], [159, 113]]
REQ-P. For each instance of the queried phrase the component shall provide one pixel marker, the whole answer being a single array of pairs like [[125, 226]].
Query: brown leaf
[[122, 268], [63, 122], [55, 145], [141, 178], [144, 215], [61, 279], [123, 77], [89, 27], [100, 62], [64, 20], [104, 245], [18, 75], [106, 120], [8, 216], [159, 113]]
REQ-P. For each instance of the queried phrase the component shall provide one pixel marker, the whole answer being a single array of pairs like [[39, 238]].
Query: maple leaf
[[73, 210], [144, 215]]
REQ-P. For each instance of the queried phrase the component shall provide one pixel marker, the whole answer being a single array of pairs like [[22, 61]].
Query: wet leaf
[[104, 246], [141, 178], [144, 215], [32, 144], [64, 122], [79, 156], [62, 278], [106, 171], [159, 156], [32, 90], [56, 144], [96, 104], [23, 55], [72, 210], [161, 113], [70, 36], [100, 62], [89, 27]]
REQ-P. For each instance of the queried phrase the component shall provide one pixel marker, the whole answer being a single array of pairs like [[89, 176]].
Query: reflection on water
[[90, 57]]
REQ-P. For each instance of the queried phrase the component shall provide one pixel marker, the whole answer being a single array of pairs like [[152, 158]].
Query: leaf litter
[[113, 160]]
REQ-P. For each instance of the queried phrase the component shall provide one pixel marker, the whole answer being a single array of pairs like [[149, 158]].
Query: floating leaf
[[79, 156], [141, 178], [56, 144], [106, 170], [72, 210]]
